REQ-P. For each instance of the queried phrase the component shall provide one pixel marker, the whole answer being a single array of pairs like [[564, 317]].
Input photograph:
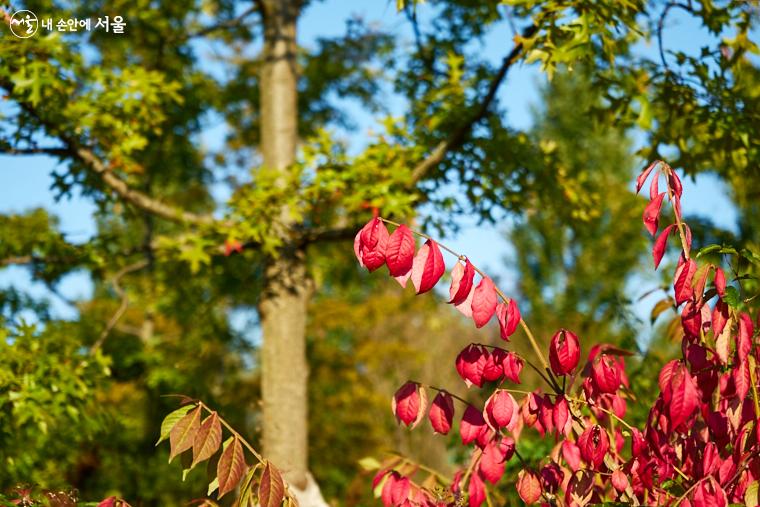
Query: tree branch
[[75, 149], [122, 306], [460, 134], [230, 23], [135, 197]]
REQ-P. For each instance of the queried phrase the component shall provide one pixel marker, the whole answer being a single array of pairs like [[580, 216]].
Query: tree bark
[[287, 288]]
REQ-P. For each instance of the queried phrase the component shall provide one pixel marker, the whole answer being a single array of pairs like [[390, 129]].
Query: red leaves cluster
[[701, 442], [374, 247]]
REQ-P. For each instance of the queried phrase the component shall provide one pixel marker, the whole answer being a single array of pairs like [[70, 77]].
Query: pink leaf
[[462, 277], [484, 302], [399, 253], [472, 425], [406, 403], [528, 486], [684, 277], [509, 317], [659, 245], [644, 175], [465, 307], [720, 282], [564, 352], [428, 267], [476, 490], [442, 413], [652, 214], [501, 410], [744, 338], [675, 183], [373, 240]]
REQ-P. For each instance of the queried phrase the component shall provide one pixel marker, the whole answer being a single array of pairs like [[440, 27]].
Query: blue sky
[[25, 181]]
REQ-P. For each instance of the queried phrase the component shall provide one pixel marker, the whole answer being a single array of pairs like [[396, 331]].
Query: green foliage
[[48, 399]]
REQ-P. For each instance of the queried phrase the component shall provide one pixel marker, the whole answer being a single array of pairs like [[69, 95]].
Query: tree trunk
[[287, 289]]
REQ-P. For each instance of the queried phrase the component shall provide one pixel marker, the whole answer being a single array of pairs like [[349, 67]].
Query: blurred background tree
[[189, 236]]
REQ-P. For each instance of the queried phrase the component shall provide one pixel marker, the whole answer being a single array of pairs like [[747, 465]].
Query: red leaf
[[744, 337], [231, 467], [484, 302], [619, 480], [512, 365], [644, 175], [742, 379], [572, 454], [470, 364], [476, 490], [371, 244], [719, 317], [552, 477], [651, 215], [442, 413], [208, 439], [684, 277], [564, 352], [708, 493], [472, 425], [691, 318], [561, 416], [395, 490], [684, 396], [509, 317], [528, 486], [399, 253], [675, 183], [428, 267], [493, 370], [659, 245], [183, 433], [720, 282], [407, 404], [501, 410], [665, 377], [594, 444], [654, 187], [492, 463], [462, 277]]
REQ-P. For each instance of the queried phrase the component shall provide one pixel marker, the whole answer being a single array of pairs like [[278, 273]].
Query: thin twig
[[122, 306]]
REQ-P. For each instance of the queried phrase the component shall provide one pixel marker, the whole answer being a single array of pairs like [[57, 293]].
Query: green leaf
[[708, 249], [369, 463], [750, 256], [170, 420], [732, 297], [245, 499]]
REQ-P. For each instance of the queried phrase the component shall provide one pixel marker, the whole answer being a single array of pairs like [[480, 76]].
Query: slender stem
[[461, 257], [679, 223], [686, 493], [441, 390], [431, 471]]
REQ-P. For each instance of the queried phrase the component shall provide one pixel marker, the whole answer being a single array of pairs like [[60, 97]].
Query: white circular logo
[[24, 24]]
